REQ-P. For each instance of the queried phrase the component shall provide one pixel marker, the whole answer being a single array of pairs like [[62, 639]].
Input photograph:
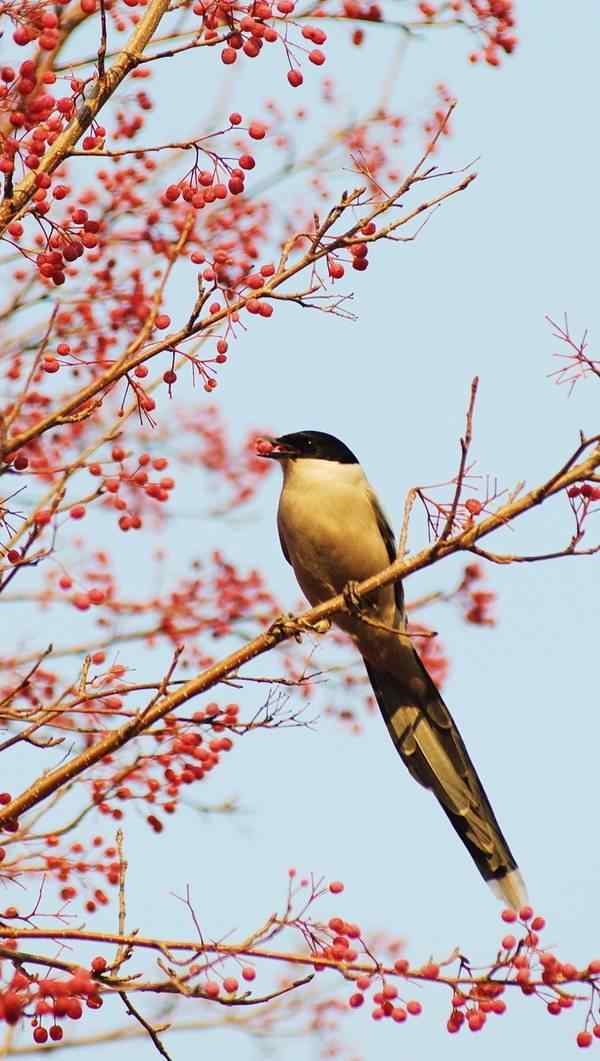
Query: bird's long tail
[[428, 741]]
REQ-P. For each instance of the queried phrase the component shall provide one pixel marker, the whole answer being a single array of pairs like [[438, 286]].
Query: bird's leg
[[353, 602]]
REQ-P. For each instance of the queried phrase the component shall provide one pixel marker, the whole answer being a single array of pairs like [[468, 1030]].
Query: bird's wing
[[282, 544], [426, 737], [390, 543]]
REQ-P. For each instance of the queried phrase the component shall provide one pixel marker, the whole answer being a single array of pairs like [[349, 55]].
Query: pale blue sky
[[468, 297]]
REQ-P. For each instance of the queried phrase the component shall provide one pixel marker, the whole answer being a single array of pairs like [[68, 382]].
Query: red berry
[[236, 185], [336, 887], [473, 506], [336, 270], [584, 1039], [13, 1007], [295, 78], [476, 1020]]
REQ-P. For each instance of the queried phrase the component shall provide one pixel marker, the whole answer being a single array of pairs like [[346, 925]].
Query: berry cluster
[[50, 1000], [64, 245], [359, 255], [131, 480], [494, 21], [245, 28], [585, 493], [476, 602]]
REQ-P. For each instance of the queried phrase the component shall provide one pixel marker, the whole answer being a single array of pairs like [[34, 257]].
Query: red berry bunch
[[122, 489], [250, 26]]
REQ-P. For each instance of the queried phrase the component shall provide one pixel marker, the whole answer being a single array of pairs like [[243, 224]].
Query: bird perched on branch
[[334, 533]]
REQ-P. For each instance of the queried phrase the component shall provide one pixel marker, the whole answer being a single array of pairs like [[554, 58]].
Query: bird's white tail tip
[[510, 889]]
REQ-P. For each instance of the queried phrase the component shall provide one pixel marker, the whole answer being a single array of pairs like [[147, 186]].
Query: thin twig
[[465, 442], [129, 1006]]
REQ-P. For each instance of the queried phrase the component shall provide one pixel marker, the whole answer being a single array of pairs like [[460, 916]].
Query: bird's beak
[[275, 449]]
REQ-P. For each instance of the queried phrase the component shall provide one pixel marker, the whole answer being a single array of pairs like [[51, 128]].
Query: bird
[[334, 533]]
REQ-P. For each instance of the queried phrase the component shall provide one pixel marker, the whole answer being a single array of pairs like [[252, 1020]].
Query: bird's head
[[312, 445]]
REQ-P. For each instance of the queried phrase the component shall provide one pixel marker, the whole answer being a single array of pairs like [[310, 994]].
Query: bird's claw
[[321, 626], [353, 602]]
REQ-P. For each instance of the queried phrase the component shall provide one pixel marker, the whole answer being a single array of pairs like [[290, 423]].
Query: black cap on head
[[317, 445]]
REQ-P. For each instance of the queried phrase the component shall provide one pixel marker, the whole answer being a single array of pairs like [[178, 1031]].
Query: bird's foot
[[353, 602], [286, 625], [289, 625]]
